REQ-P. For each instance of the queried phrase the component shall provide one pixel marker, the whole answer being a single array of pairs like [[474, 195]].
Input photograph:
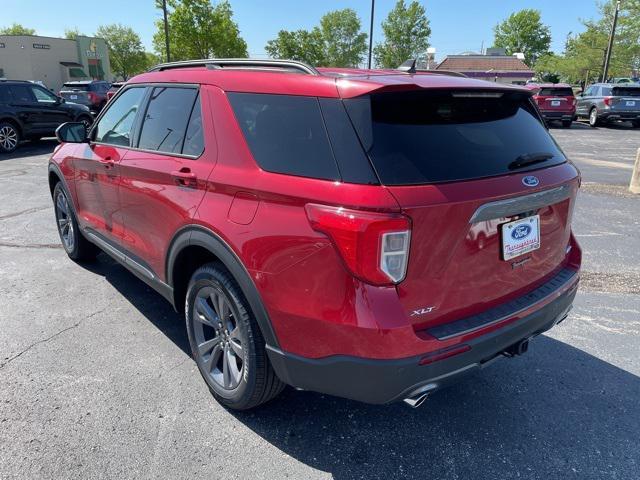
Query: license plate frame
[[520, 237], [555, 103]]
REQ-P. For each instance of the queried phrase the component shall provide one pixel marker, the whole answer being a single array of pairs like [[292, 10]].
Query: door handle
[[185, 177]]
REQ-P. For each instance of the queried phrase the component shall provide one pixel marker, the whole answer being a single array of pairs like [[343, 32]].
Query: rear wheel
[[566, 124], [9, 137], [593, 118], [77, 247], [636, 123], [226, 342]]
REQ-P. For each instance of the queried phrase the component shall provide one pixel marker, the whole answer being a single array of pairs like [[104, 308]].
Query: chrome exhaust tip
[[418, 397]]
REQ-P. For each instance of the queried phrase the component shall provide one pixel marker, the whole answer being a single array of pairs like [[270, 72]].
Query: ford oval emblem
[[530, 181], [520, 232]]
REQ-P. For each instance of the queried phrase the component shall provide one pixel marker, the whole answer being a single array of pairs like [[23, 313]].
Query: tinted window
[[626, 92], [116, 125], [166, 118], [76, 86], [430, 137], [285, 134], [21, 94], [42, 96], [556, 92], [590, 92], [194, 139]]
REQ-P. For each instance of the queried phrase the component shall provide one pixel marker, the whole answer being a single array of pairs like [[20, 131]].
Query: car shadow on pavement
[[555, 412], [29, 149]]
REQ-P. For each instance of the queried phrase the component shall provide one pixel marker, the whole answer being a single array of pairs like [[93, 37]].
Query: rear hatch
[[625, 99], [76, 93], [464, 165], [555, 99]]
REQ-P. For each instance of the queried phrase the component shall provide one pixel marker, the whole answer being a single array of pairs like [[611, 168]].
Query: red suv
[[321, 227], [556, 102]]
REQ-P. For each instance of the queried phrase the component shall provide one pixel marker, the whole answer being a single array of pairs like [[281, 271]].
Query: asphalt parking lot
[[96, 381]]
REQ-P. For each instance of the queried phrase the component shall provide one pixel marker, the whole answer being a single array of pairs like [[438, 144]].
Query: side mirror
[[72, 132]]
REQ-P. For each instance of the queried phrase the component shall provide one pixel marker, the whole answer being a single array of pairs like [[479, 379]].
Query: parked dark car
[[555, 101], [93, 93], [114, 89], [601, 103], [29, 111], [322, 227]]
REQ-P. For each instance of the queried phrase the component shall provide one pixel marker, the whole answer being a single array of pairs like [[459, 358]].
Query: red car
[[115, 86], [556, 102], [320, 227]]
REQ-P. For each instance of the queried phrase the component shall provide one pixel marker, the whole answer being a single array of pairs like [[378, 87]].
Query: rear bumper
[[386, 381], [563, 116], [613, 115]]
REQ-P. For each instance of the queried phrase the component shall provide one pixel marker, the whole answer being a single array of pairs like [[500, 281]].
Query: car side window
[[606, 91], [165, 120], [194, 138], [116, 125], [21, 94], [42, 96]]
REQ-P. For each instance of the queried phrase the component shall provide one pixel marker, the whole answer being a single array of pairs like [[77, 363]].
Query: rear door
[[97, 166], [164, 178], [27, 109], [583, 104], [488, 191]]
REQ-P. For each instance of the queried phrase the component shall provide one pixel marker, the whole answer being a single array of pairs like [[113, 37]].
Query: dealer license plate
[[73, 97], [631, 103], [555, 103], [520, 237]]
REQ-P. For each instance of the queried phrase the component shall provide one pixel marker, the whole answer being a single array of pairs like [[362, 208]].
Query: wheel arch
[[195, 245], [15, 122]]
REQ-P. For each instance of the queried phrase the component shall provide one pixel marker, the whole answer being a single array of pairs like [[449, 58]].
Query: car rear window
[[442, 136], [286, 134], [556, 92], [73, 86], [626, 92]]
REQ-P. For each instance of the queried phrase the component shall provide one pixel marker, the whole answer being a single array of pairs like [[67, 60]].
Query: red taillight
[[93, 97], [573, 101], [607, 101], [374, 246]]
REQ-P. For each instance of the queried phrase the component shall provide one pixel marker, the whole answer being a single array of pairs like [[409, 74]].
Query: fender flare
[[203, 237]]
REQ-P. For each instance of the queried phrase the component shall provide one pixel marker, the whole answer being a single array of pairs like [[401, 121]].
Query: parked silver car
[[605, 102]]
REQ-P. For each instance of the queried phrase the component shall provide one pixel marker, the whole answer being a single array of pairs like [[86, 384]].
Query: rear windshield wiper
[[529, 159]]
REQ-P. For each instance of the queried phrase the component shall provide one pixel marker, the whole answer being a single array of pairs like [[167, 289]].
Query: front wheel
[[566, 124], [226, 342], [77, 247], [87, 121]]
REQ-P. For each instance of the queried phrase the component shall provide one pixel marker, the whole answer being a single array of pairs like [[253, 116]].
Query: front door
[[97, 166], [50, 109], [164, 178]]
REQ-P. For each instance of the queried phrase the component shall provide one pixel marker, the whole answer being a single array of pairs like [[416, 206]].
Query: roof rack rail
[[219, 63], [449, 73]]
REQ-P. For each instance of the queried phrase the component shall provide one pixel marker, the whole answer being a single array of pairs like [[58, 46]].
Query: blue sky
[[456, 25]]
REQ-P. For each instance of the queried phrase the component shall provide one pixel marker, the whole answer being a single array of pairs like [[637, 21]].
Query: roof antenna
[[409, 66]]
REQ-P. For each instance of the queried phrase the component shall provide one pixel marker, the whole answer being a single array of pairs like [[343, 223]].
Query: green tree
[[197, 29], [72, 33], [336, 42], [17, 29], [406, 35], [305, 46], [125, 50], [523, 32]]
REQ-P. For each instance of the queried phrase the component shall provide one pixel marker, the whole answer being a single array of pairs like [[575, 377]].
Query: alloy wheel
[[593, 116], [8, 138], [65, 224], [220, 342]]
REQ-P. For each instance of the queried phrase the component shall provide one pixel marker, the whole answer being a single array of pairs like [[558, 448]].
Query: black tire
[[228, 348], [636, 124], [9, 137], [566, 123], [594, 121], [87, 120], [78, 248]]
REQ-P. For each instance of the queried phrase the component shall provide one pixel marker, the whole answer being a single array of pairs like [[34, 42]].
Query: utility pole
[[607, 58], [166, 29], [373, 2]]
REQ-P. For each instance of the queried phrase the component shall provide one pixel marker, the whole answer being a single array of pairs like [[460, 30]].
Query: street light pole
[[607, 58], [166, 29], [373, 2]]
